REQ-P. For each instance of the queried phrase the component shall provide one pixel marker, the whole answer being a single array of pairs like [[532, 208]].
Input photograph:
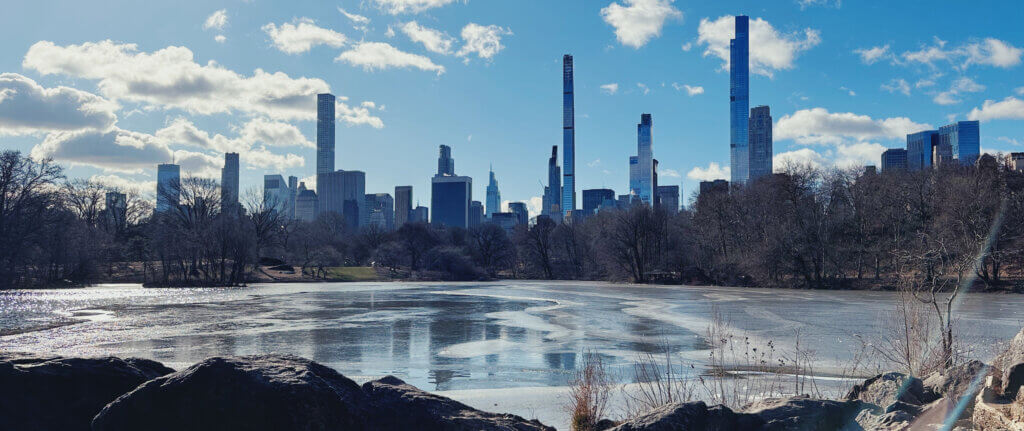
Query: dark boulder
[[56, 393], [268, 392], [1009, 366], [954, 382], [802, 413], [690, 416], [885, 389]]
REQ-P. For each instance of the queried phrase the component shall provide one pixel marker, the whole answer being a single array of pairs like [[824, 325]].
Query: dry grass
[[589, 393]]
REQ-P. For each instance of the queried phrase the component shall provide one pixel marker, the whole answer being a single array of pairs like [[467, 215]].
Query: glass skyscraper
[[919, 149], [760, 142], [568, 138], [963, 138], [229, 183], [894, 159], [450, 198], [493, 197], [445, 162], [403, 205], [324, 133], [168, 186], [739, 101], [644, 161], [553, 192]]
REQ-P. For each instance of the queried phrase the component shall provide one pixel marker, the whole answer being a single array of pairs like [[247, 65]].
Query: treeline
[[806, 227]]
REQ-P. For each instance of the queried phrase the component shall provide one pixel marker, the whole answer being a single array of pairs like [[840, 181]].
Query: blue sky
[[114, 88]]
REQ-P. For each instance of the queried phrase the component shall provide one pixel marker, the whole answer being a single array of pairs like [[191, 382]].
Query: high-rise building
[[760, 142], [445, 162], [476, 213], [277, 195], [552, 199], [1015, 161], [642, 171], [894, 159], [168, 186], [344, 193], [506, 220], [716, 186], [654, 182], [964, 140], [324, 134], [116, 211], [519, 210], [668, 198], [293, 193], [920, 147], [403, 205], [634, 175], [420, 214], [568, 138], [305, 204], [449, 200], [739, 101], [493, 197], [380, 209], [593, 198], [229, 183]]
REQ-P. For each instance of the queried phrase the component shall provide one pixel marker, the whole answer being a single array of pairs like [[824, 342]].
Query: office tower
[[305, 204], [716, 186], [522, 215], [324, 134], [634, 175], [380, 210], [552, 199], [668, 198], [760, 142], [276, 195], [920, 147], [420, 214], [229, 183], [594, 198], [449, 200], [116, 211], [1015, 161], [476, 213], [445, 162], [654, 182], [293, 192], [568, 138], [643, 185], [344, 193], [403, 205], [870, 170], [493, 197], [963, 139], [506, 220], [894, 159], [168, 186], [739, 101]]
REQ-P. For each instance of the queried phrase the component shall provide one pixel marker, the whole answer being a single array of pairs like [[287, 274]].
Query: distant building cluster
[[959, 142]]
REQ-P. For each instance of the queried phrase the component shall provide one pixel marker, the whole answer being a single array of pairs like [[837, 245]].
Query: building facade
[[963, 140], [380, 210], [445, 162], [403, 205], [760, 142], [449, 200], [277, 195], [420, 214], [305, 204], [739, 101], [168, 186], [229, 183], [116, 211], [493, 196], [568, 203], [552, 199], [894, 159], [522, 215], [476, 213], [343, 193], [324, 134], [668, 198], [716, 186], [643, 183], [594, 198], [920, 147]]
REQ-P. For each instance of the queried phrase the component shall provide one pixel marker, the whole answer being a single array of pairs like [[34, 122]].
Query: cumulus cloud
[[990, 52], [874, 54], [379, 56], [636, 22], [170, 79], [714, 171], [396, 7], [669, 173], [819, 126], [251, 144], [359, 22], [220, 38], [1010, 108], [115, 149], [1020, 91], [216, 20], [643, 88], [611, 88], [690, 90], [858, 154], [484, 41], [897, 86], [302, 35], [770, 50], [27, 107], [433, 40], [960, 86], [118, 182]]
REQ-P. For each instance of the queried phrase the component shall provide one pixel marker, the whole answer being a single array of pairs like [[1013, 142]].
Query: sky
[[111, 89]]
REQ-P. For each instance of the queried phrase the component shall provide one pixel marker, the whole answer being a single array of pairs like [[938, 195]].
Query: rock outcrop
[[690, 416], [56, 393], [885, 389], [1000, 405], [804, 413]]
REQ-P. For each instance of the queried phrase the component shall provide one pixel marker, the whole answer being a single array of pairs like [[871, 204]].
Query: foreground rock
[[885, 389], [690, 416], [1000, 405], [56, 393], [798, 413], [274, 392]]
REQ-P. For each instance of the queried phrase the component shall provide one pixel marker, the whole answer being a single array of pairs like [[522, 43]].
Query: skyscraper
[[643, 186], [449, 200], [760, 142], [963, 138], [593, 198], [568, 138], [493, 197], [520, 211], [229, 183], [894, 159], [668, 198], [420, 214], [919, 149], [445, 162], [739, 101], [305, 204], [168, 186], [344, 193], [116, 211], [324, 134], [293, 193], [403, 205], [476, 213], [634, 175], [277, 195], [552, 199], [380, 209]]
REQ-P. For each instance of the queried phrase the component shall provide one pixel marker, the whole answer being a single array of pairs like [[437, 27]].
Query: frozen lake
[[462, 338]]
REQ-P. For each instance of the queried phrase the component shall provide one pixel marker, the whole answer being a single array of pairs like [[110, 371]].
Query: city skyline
[[851, 95]]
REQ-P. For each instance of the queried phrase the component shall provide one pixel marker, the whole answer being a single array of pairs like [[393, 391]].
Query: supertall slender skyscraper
[[168, 186], [229, 183], [553, 192], [645, 160], [324, 133], [493, 197], [568, 138], [739, 102], [760, 147]]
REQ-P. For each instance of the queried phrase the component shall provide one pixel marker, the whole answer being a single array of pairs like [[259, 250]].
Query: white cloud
[[594, 163], [485, 41], [220, 38], [687, 46], [848, 91], [359, 22], [302, 35], [1010, 141], [643, 88], [858, 154], [873, 55], [170, 78], [713, 172], [252, 141], [804, 4], [433, 40], [1020, 91], [1010, 108], [611, 88], [690, 90], [216, 20], [121, 183], [959, 86], [770, 50], [395, 7], [27, 107], [922, 83], [639, 21], [818, 126], [534, 205], [390, 32], [801, 157], [897, 85], [115, 149], [669, 173], [379, 56], [990, 51]]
